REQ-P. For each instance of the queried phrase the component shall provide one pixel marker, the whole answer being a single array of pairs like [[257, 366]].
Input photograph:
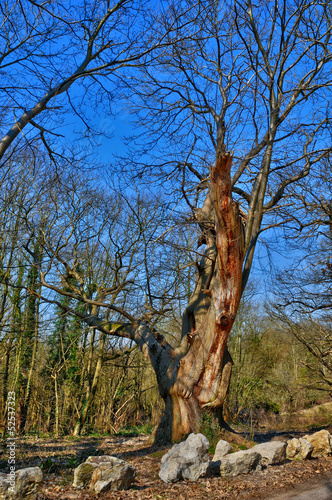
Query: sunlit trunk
[[199, 370]]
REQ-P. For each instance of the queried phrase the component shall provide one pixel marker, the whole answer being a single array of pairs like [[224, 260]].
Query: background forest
[[70, 378], [112, 115]]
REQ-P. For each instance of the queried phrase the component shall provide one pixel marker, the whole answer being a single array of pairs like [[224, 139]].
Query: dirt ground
[[59, 457]]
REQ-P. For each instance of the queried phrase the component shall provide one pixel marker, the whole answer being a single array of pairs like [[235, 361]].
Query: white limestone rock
[[241, 462], [298, 449], [104, 459], [223, 448], [5, 486], [187, 460], [322, 443], [83, 474], [112, 477], [104, 473], [272, 453], [25, 486]]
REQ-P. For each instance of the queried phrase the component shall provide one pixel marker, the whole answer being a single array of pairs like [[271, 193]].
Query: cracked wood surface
[[200, 370]]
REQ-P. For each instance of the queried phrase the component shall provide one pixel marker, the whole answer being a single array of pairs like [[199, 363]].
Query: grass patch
[[242, 447], [158, 454], [135, 430]]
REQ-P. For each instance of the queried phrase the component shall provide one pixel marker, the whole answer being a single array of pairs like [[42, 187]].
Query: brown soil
[[59, 457]]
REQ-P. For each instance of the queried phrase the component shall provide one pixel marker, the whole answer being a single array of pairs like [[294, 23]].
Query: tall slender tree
[[28, 343]]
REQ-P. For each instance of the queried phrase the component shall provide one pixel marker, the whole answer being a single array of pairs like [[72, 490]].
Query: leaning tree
[[255, 81]]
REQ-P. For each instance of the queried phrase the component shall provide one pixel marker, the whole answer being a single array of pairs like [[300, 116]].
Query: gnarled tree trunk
[[196, 375]]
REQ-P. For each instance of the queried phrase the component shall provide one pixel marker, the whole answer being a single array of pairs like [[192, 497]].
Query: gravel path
[[321, 490]]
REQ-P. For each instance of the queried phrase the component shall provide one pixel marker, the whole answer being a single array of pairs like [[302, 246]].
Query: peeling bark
[[200, 371], [196, 375]]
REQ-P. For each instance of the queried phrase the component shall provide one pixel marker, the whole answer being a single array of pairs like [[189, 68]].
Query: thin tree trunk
[[17, 375], [5, 386], [25, 407], [87, 403], [57, 412]]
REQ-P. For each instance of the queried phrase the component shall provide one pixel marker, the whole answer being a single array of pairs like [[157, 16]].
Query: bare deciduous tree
[[48, 47], [255, 80], [303, 302]]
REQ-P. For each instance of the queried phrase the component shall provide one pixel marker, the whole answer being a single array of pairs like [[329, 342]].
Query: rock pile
[[243, 462], [189, 460], [315, 445]]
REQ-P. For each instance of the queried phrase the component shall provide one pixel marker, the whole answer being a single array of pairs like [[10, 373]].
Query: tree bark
[[200, 371], [196, 375]]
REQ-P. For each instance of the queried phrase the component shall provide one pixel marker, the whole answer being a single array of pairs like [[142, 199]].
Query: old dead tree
[[196, 374]]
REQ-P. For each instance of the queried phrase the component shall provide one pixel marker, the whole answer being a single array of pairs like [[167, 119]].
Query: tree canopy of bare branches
[[202, 80]]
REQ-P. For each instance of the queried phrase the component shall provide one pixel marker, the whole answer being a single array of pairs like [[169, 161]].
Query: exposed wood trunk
[[196, 375], [201, 368], [183, 416]]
